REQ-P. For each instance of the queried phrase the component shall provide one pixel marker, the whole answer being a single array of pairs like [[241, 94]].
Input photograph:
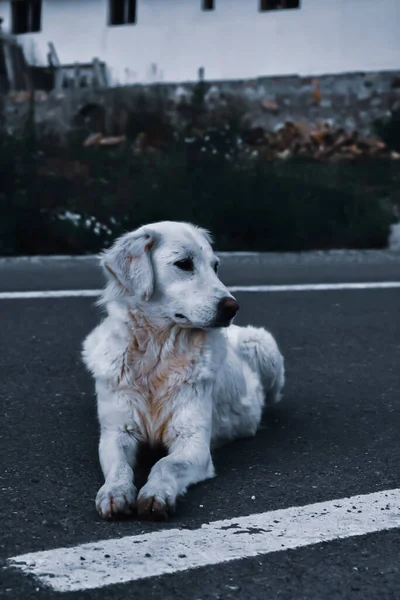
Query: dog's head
[[169, 271]]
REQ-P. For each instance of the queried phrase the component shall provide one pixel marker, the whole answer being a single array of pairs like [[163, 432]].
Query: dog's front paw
[[153, 504], [115, 499]]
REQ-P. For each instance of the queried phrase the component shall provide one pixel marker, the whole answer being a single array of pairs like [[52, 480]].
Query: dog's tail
[[261, 351]]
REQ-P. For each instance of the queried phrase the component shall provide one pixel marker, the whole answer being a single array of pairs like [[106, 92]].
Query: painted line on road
[[50, 294], [302, 287], [128, 559], [316, 287], [57, 258]]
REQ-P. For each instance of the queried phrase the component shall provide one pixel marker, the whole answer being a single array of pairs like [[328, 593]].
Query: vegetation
[[62, 197]]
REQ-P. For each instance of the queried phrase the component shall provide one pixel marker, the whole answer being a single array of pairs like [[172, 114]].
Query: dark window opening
[[26, 16], [278, 4], [122, 12], [208, 4]]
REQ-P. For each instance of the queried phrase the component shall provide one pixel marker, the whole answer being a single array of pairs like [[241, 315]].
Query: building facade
[[170, 40]]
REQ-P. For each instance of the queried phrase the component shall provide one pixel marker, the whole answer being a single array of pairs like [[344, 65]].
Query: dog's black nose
[[226, 310]]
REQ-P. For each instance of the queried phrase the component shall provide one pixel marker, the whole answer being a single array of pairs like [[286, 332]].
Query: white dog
[[170, 368]]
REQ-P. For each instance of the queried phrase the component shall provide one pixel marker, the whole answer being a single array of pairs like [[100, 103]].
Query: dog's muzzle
[[226, 310]]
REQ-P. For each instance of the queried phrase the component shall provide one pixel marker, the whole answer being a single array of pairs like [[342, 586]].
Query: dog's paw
[[115, 499], [154, 505]]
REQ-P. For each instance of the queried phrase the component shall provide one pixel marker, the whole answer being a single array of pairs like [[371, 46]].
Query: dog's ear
[[128, 265]]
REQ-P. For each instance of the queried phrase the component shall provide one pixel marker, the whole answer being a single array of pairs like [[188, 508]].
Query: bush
[[62, 199], [388, 129]]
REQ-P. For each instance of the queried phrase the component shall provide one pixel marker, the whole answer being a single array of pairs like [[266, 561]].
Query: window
[[122, 12], [208, 4], [26, 16], [278, 4]]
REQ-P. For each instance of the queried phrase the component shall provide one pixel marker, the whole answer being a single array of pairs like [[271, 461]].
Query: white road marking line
[[49, 258], [126, 559], [50, 294], [301, 287], [316, 287]]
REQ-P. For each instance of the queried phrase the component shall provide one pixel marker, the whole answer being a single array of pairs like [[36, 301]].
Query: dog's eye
[[185, 265], [216, 267]]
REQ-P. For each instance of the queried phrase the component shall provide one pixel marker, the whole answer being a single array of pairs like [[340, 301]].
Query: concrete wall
[[352, 101], [173, 38]]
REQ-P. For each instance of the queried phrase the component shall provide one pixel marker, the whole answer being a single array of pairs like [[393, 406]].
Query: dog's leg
[[188, 462], [117, 452]]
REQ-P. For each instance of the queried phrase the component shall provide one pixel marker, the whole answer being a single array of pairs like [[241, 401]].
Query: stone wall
[[352, 101]]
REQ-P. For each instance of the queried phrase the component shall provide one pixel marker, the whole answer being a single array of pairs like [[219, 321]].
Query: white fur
[[167, 379]]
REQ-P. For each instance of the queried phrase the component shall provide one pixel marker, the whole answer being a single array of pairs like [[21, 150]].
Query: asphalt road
[[336, 434], [42, 273]]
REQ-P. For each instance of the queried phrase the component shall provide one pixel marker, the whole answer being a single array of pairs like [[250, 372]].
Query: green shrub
[[388, 129], [69, 199]]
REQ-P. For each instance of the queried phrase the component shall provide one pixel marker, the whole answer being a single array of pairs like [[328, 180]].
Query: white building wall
[[233, 41]]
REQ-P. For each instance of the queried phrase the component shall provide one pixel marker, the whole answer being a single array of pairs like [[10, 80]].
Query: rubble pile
[[321, 142]]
